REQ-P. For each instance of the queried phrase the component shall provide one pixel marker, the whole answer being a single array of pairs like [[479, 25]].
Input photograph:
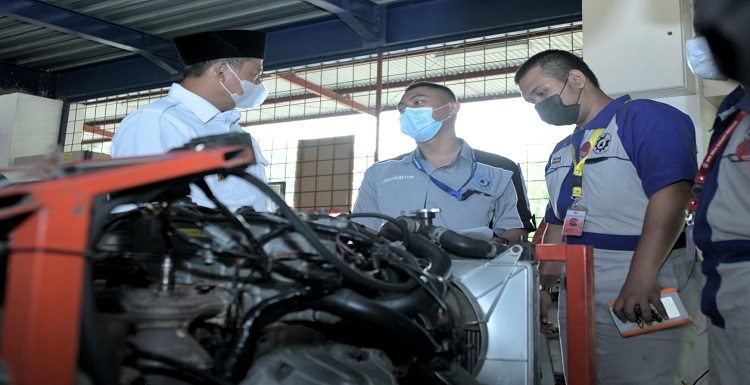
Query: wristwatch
[[548, 289]]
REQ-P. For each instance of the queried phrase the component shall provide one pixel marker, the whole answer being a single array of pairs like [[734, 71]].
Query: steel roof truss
[[157, 50], [364, 17]]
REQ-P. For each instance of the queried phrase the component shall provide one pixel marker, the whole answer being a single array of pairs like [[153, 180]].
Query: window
[[324, 174]]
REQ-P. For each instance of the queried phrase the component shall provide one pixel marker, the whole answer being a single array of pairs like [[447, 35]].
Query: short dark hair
[[198, 69], [436, 86], [557, 64]]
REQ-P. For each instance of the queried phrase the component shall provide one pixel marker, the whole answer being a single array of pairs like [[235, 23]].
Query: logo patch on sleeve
[[483, 181], [602, 143], [556, 159]]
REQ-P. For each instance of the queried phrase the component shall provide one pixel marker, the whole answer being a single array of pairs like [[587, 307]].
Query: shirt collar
[[204, 110], [465, 153], [742, 99], [604, 116], [744, 104]]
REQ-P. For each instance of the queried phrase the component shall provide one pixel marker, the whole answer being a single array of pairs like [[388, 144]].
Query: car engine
[[177, 293]]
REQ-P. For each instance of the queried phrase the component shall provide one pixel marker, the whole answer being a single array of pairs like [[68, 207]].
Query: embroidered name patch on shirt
[[395, 178]]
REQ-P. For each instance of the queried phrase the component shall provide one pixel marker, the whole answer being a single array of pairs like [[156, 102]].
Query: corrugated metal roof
[[81, 49], [476, 68], [39, 47]]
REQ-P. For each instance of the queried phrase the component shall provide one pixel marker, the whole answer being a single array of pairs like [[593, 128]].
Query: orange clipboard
[[676, 312]]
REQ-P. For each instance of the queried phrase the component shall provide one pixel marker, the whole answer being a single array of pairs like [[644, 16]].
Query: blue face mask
[[701, 60], [419, 124]]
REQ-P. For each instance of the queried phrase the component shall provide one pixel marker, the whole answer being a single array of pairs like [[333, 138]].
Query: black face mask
[[553, 111]]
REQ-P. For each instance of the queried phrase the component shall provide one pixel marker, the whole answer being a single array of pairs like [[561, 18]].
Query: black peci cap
[[207, 46]]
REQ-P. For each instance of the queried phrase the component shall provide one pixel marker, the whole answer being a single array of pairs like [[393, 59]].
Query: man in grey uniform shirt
[[624, 174], [478, 193]]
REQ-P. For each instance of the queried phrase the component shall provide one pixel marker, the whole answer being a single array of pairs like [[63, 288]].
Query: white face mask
[[701, 60], [252, 96]]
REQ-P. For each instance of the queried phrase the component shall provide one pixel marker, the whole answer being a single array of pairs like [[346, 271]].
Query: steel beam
[[364, 17], [319, 90], [19, 79], [111, 78], [407, 24], [415, 24], [154, 49]]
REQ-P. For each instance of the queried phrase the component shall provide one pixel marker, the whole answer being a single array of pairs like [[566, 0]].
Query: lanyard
[[711, 155], [578, 166], [443, 186]]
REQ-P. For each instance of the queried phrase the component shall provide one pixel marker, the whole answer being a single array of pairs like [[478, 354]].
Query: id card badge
[[574, 219]]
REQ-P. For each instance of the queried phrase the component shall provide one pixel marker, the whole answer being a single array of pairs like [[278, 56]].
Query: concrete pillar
[[29, 125]]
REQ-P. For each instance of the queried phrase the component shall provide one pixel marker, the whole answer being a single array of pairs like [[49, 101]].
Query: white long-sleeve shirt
[[177, 119]]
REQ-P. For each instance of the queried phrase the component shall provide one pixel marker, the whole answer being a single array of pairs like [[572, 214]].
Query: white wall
[[637, 46], [29, 125]]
